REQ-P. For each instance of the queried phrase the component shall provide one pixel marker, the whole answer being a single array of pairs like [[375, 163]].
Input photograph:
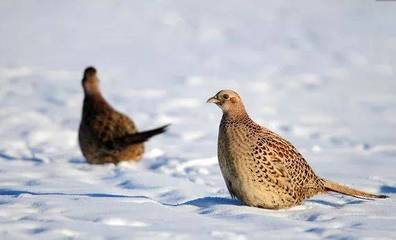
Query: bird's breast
[[234, 151]]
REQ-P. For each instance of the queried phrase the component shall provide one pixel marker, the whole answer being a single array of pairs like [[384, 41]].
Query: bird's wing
[[270, 166], [110, 126], [292, 168]]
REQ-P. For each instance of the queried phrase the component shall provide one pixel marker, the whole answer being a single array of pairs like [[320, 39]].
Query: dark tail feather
[[139, 137], [335, 187]]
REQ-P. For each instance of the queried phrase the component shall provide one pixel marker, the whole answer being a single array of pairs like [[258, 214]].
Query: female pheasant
[[261, 168], [106, 135]]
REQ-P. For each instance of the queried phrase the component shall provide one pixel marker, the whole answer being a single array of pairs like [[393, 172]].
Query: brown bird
[[106, 135], [261, 168]]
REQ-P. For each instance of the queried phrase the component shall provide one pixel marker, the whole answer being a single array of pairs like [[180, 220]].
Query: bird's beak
[[213, 100]]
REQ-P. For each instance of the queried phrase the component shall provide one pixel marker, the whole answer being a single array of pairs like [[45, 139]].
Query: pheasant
[[261, 168], [106, 135]]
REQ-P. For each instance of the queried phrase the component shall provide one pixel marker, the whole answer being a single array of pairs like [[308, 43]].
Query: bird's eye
[[225, 96]]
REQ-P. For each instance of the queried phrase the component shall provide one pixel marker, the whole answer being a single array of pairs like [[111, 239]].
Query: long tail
[[335, 187], [139, 137]]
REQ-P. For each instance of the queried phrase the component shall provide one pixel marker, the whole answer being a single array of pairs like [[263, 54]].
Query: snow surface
[[321, 73]]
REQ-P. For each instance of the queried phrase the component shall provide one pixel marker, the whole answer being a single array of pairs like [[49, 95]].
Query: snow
[[321, 73]]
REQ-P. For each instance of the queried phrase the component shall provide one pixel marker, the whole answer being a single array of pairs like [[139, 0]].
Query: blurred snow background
[[321, 73]]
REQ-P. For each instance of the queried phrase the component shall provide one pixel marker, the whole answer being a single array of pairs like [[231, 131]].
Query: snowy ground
[[321, 73]]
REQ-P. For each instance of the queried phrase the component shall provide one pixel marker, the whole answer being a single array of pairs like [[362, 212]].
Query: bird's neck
[[92, 88], [236, 115], [94, 103]]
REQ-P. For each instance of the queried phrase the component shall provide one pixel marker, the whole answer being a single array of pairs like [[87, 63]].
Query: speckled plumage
[[261, 168], [106, 135]]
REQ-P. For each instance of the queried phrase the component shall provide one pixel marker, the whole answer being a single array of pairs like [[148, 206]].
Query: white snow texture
[[320, 73]]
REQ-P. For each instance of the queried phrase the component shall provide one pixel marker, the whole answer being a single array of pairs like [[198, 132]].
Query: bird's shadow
[[204, 202], [386, 189], [334, 205], [77, 160], [18, 193], [207, 202], [24, 158]]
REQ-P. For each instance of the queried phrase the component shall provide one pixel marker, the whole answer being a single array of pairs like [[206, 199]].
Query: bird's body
[[100, 125], [106, 135], [261, 168]]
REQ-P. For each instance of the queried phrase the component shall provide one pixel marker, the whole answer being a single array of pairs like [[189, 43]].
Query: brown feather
[[105, 135], [260, 167]]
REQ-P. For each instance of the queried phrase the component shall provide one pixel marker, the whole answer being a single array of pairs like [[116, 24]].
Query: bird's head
[[229, 101], [90, 81]]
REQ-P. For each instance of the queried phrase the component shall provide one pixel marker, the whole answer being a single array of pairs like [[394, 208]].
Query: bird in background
[[106, 135], [261, 168]]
